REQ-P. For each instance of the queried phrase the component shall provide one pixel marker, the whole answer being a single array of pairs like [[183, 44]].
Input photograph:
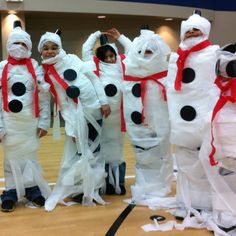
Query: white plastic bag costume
[[222, 155], [191, 95], [112, 138], [146, 116], [82, 169], [24, 107], [190, 102]]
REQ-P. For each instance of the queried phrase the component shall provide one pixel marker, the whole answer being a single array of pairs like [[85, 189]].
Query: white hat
[[19, 35], [148, 40], [195, 21], [49, 37]]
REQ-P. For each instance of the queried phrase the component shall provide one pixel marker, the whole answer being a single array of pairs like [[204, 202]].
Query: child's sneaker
[[227, 229], [39, 201], [122, 190], [8, 206], [110, 190], [78, 198], [180, 214]]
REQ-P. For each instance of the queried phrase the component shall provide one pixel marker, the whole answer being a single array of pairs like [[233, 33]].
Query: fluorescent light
[[14, 0], [101, 17], [168, 19], [12, 12]]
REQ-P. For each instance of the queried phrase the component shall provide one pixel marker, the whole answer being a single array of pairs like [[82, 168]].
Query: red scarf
[[229, 86], [29, 65], [143, 81], [50, 68], [97, 72], [183, 54]]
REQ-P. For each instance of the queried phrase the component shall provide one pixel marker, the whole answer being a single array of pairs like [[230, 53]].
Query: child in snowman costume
[[191, 95], [80, 97], [146, 114], [110, 72], [25, 117], [218, 152]]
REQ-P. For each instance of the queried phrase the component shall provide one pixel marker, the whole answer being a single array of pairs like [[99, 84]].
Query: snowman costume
[[113, 128], [24, 107], [218, 153], [191, 95], [146, 115], [73, 82]]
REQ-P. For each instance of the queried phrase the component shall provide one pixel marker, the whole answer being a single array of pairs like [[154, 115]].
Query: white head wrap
[[113, 46], [19, 36], [49, 37], [55, 38], [148, 40], [137, 63], [195, 21]]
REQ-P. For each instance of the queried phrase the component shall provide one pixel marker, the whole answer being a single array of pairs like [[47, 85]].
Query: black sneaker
[[227, 229], [122, 189], [39, 201], [78, 198], [8, 206], [110, 190]]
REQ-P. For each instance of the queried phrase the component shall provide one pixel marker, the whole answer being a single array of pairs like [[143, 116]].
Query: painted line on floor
[[51, 184], [115, 226], [129, 176]]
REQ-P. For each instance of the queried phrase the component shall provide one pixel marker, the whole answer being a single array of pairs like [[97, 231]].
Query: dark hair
[[101, 51]]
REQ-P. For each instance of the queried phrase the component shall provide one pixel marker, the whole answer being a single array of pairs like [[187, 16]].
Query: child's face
[[50, 50], [148, 53], [110, 57], [193, 33], [20, 43]]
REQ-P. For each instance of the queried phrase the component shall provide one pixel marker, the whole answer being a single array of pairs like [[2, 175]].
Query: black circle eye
[[72, 91], [15, 106], [136, 117], [110, 90], [188, 113], [18, 89], [70, 75]]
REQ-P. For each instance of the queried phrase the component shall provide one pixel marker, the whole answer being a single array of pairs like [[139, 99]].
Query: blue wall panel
[[220, 5]]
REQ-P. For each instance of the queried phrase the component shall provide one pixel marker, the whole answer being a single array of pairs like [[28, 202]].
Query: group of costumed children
[[161, 99]]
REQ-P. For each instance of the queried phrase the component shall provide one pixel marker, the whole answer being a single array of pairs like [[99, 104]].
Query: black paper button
[[15, 106], [72, 91]]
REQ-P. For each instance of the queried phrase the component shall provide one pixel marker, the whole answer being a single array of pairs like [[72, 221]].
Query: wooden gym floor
[[77, 219]]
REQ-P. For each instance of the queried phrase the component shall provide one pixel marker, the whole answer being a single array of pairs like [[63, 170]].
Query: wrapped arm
[[87, 48], [44, 101], [88, 68], [2, 127], [125, 42], [98, 86]]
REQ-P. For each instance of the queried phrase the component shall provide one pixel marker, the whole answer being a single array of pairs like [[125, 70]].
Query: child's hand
[[74, 139], [113, 33], [2, 133], [106, 110], [41, 132]]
